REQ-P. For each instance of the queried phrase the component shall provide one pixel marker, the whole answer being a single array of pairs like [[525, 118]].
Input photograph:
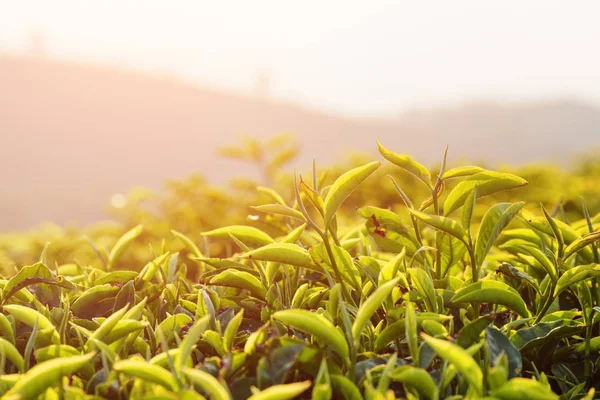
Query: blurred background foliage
[[192, 206]]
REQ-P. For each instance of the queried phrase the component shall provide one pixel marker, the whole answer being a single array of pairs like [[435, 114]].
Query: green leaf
[[543, 333], [282, 392], [464, 363], [397, 329], [87, 303], [569, 234], [211, 385], [424, 286], [344, 388], [322, 385], [189, 243], [318, 326], [494, 221], [388, 230], [147, 372], [343, 187], [32, 275], [241, 280], [540, 257], [104, 329], [294, 235], [116, 277], [390, 270], [368, 308], [284, 253], [275, 367], [487, 182], [47, 374], [498, 344], [280, 210], [122, 243], [580, 243], [190, 340], [173, 324], [150, 269], [411, 332], [556, 232], [435, 329], [247, 234], [462, 171], [470, 333], [231, 330], [522, 388], [443, 224], [406, 163], [576, 274], [452, 251], [495, 292], [31, 317], [12, 354], [272, 194], [467, 212], [416, 378]]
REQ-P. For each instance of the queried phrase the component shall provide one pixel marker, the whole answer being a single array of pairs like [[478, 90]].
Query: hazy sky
[[366, 58]]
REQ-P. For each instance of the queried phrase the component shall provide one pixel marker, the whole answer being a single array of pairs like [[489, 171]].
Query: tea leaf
[[343, 187], [242, 280], [443, 224], [486, 182], [344, 387], [147, 372], [495, 292], [282, 392], [411, 332], [246, 234], [316, 325], [188, 243], [494, 221], [122, 244], [397, 329], [406, 163], [231, 330], [280, 210], [424, 285], [47, 374], [463, 362], [284, 253], [461, 172], [417, 378], [470, 333], [580, 243], [211, 385], [519, 388], [576, 274], [12, 354], [368, 308], [498, 344], [185, 348], [30, 317]]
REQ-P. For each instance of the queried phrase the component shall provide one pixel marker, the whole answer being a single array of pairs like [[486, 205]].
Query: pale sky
[[363, 58]]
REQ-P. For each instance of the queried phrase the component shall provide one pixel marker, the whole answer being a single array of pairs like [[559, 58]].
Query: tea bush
[[351, 284]]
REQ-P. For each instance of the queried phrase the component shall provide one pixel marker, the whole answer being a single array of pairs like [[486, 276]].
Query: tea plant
[[455, 296]]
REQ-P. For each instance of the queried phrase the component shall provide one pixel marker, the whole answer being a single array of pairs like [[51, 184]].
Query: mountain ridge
[[74, 134]]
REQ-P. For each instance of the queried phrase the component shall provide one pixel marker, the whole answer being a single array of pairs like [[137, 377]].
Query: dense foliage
[[348, 284]]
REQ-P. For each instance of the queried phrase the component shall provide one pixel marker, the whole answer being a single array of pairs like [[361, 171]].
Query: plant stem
[[588, 337], [438, 253], [337, 272], [474, 277], [547, 304]]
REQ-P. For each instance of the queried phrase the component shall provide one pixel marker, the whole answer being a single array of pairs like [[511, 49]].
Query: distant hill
[[74, 134]]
